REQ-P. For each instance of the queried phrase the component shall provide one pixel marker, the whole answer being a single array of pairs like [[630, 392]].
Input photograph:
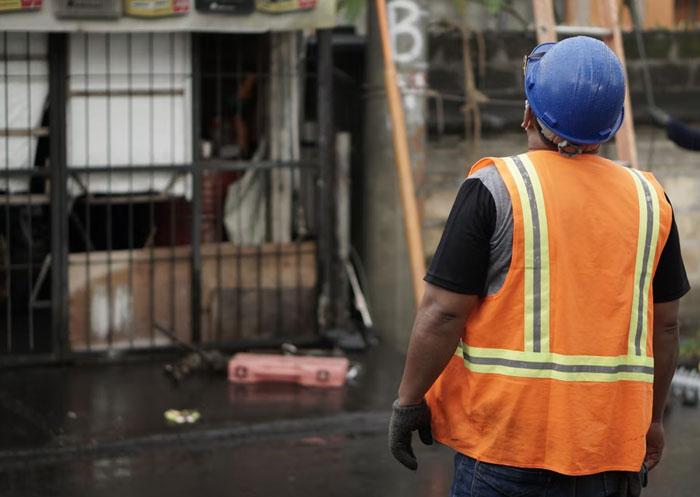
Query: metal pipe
[[196, 255], [326, 154], [58, 43]]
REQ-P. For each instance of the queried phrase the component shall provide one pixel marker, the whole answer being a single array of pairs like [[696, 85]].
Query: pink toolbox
[[304, 370]]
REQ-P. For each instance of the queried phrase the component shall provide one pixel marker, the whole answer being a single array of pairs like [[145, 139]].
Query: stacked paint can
[[237, 7], [284, 6], [157, 8], [88, 9], [19, 5]]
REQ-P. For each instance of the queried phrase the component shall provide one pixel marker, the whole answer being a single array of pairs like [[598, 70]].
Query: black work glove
[[404, 421], [659, 116]]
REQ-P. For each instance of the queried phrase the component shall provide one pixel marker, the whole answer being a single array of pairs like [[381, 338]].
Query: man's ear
[[527, 116]]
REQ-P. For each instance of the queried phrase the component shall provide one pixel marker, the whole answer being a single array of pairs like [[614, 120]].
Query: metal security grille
[[158, 189], [24, 223]]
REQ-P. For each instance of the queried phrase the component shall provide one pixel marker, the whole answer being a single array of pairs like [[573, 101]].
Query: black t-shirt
[[462, 258]]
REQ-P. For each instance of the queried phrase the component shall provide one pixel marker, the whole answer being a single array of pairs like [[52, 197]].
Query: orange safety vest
[[555, 371]]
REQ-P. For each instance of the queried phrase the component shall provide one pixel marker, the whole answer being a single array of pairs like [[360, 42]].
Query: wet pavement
[[99, 431], [95, 404], [342, 465]]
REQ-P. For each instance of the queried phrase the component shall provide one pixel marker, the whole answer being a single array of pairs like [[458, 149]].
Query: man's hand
[[655, 444], [404, 421]]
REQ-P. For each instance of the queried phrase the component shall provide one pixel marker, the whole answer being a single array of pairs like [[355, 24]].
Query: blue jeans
[[473, 478]]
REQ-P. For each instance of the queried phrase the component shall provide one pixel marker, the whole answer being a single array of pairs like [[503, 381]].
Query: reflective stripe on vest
[[536, 253], [646, 251], [536, 360]]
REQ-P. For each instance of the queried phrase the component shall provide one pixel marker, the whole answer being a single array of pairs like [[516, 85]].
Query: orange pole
[[411, 218]]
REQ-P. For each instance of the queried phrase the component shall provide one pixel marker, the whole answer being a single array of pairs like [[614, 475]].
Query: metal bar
[[326, 151], [136, 198], [239, 267], [598, 31], [30, 161], [58, 44], [151, 205], [95, 257], [8, 272], [277, 99], [23, 198], [73, 218], [220, 111], [88, 280], [296, 116], [219, 258], [22, 132], [172, 201], [25, 58], [208, 75], [127, 93], [30, 173], [20, 266], [108, 117], [261, 123], [185, 168], [130, 208], [40, 280], [196, 256]]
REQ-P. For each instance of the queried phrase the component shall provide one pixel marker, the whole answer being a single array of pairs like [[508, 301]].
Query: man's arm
[[436, 330], [457, 274], [678, 132], [666, 340]]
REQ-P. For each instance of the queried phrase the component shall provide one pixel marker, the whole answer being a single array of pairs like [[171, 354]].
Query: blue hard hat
[[576, 88]]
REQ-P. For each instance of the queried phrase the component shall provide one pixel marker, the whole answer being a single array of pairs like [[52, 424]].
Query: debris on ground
[[202, 360], [198, 360], [181, 416]]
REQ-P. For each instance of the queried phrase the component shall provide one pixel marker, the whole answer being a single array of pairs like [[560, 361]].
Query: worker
[[677, 131], [545, 343]]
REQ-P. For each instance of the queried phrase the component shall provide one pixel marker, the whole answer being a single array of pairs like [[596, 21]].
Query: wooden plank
[[270, 289], [18, 132], [127, 93], [625, 139], [544, 21], [24, 199], [578, 13]]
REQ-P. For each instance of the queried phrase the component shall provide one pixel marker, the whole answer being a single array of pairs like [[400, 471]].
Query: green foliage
[[352, 8], [460, 5], [493, 6], [690, 347]]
